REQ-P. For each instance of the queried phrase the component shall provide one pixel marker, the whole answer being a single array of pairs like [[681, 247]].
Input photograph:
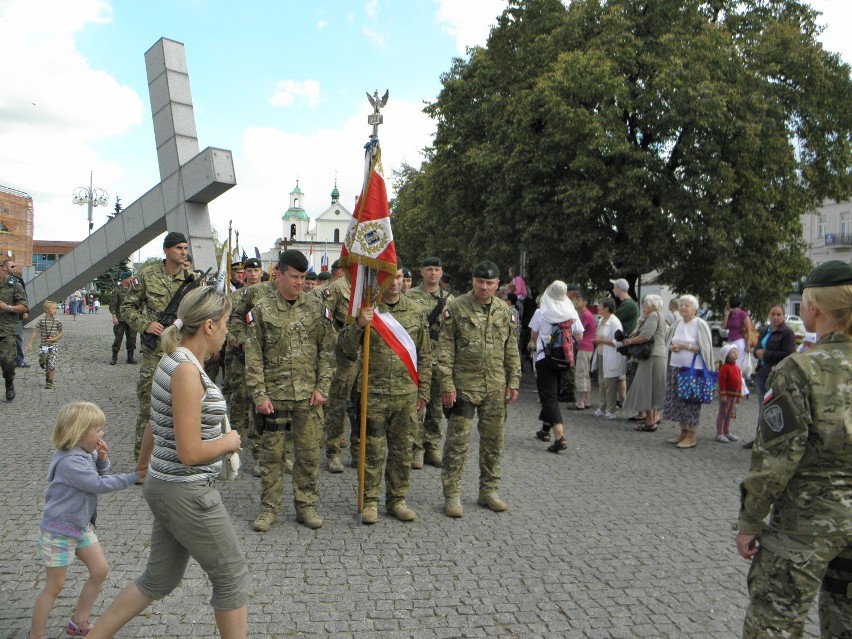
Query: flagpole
[[229, 260], [365, 373]]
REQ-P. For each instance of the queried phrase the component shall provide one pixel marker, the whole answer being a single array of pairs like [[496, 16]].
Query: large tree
[[622, 136]]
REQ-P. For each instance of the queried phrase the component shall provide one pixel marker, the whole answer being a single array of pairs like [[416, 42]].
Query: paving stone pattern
[[622, 535]]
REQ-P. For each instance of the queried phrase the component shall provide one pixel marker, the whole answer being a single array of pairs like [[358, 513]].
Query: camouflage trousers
[[491, 412], [150, 359], [429, 431], [785, 578], [390, 424], [305, 425], [240, 408], [122, 330], [8, 353], [339, 398]]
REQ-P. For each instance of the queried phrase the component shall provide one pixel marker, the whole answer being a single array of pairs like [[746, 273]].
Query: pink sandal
[[79, 629]]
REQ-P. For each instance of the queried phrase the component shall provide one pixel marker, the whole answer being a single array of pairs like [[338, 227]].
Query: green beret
[[406, 273], [336, 264], [487, 270], [173, 239], [324, 276], [834, 273], [431, 261], [253, 262], [124, 275], [293, 258], [311, 276]]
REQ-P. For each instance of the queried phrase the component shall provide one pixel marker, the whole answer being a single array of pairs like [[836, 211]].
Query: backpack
[[560, 345]]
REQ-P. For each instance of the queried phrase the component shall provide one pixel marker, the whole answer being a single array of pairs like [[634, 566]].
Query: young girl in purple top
[[76, 477]]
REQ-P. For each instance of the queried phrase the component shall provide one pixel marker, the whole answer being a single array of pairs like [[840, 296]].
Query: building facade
[[16, 225]]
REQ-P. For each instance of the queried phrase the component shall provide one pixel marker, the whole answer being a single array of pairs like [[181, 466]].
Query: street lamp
[[92, 197]]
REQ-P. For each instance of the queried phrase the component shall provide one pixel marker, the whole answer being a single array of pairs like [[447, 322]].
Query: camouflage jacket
[[11, 293], [289, 349], [429, 301], [336, 298], [242, 301], [477, 349], [801, 464], [117, 299], [150, 294], [388, 375]]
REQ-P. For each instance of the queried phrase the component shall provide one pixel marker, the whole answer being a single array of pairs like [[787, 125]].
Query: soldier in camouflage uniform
[[479, 371], [801, 476], [289, 359], [393, 397], [13, 304], [235, 356], [336, 298], [430, 295], [311, 280], [149, 296], [120, 328]]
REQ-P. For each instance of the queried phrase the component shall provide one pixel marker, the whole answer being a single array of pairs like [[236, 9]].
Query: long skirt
[[677, 410]]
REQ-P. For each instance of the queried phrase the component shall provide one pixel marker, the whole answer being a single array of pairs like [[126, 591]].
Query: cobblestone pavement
[[621, 535]]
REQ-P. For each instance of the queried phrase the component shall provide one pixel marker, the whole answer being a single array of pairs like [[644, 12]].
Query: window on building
[[845, 224], [292, 231], [821, 225], [336, 235]]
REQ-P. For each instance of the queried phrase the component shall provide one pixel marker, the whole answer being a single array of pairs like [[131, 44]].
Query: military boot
[[453, 506], [334, 465], [114, 359], [307, 516], [417, 460], [130, 359], [370, 515], [433, 457], [401, 511], [10, 391], [263, 521], [492, 501]]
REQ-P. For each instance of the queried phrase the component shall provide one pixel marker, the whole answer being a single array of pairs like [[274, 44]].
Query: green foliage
[[105, 282], [618, 137]]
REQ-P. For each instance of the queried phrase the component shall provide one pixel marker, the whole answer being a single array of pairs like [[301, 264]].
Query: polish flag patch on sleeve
[[446, 314], [326, 313], [768, 396], [249, 317]]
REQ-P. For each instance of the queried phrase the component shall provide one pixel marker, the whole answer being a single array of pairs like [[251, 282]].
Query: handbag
[[231, 460], [696, 386], [637, 351]]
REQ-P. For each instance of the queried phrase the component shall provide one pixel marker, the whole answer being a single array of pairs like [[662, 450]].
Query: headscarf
[[555, 305]]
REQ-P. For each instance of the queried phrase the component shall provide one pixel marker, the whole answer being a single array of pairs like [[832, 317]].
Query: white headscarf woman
[[555, 308]]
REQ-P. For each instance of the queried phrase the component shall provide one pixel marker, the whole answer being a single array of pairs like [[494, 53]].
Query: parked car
[[719, 334], [797, 325]]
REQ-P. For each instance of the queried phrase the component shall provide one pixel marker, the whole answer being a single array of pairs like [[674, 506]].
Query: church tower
[[296, 220]]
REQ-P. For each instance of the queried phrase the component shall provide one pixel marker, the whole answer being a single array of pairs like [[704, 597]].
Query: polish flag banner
[[400, 342], [368, 248]]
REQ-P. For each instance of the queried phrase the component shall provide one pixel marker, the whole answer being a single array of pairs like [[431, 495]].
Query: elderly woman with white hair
[[555, 309], [647, 393], [689, 336]]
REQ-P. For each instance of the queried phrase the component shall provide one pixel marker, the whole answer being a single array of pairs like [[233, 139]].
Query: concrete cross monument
[[189, 180]]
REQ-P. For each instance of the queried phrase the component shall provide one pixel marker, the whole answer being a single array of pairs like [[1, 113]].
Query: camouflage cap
[[293, 258], [833, 273], [487, 270]]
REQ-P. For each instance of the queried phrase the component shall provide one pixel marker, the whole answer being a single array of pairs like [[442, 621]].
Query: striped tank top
[[165, 464]]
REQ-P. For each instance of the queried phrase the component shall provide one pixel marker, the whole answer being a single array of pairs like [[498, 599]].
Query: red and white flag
[[395, 336], [368, 248]]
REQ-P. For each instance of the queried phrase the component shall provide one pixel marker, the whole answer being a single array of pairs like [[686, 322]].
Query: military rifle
[[434, 315]]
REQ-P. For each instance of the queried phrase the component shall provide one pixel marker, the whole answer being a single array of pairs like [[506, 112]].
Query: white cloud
[[322, 24], [468, 22], [373, 36], [59, 107], [288, 91], [270, 160], [372, 9]]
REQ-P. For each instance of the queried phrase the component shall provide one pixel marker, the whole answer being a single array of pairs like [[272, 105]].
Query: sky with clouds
[[280, 83]]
